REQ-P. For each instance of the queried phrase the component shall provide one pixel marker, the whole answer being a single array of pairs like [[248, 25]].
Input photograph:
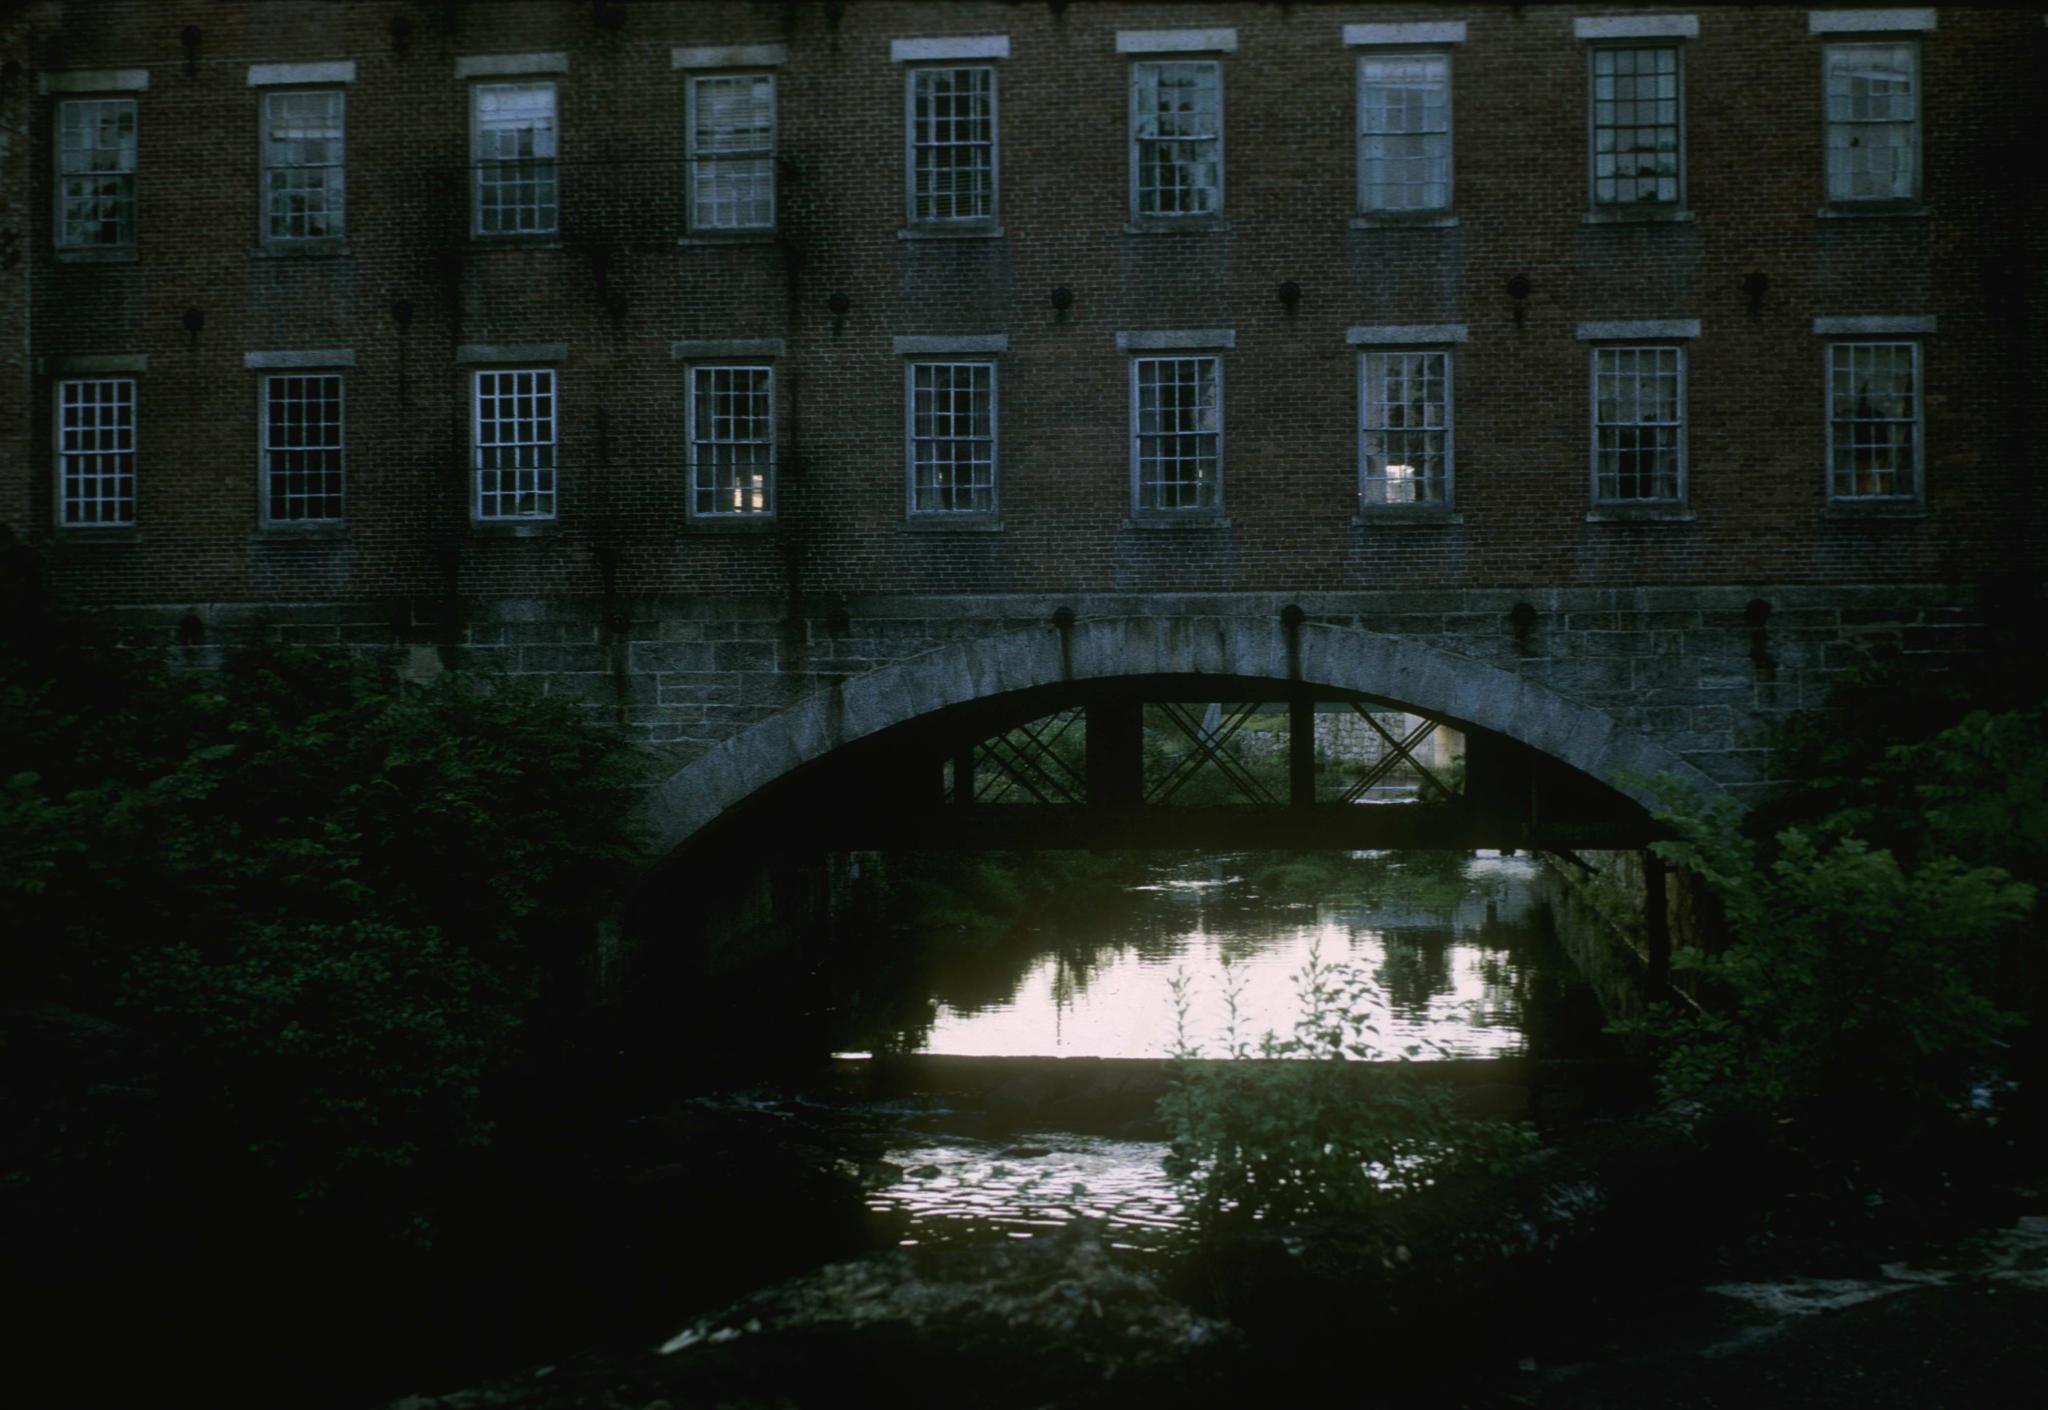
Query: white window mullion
[[95, 426], [303, 473], [732, 441], [731, 122], [1404, 133], [1404, 427], [96, 161], [515, 440], [1874, 413]]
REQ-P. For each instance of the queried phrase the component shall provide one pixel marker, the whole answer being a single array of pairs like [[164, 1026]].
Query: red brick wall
[[1755, 375]]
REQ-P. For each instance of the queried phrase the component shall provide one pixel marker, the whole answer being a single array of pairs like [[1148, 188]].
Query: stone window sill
[[731, 524], [953, 524], [1420, 516], [1622, 215], [97, 533], [125, 254], [515, 528], [1152, 523], [1640, 514], [764, 236], [932, 232], [551, 240], [1428, 220]]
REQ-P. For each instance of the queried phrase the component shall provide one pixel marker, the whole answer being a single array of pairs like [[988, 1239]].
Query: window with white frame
[[303, 195], [515, 442], [95, 435], [1177, 434], [1404, 133], [952, 126], [952, 437], [732, 440], [95, 173], [1873, 121], [1638, 424], [1638, 126], [732, 151], [302, 448], [1404, 427], [1873, 420], [1176, 138], [514, 155]]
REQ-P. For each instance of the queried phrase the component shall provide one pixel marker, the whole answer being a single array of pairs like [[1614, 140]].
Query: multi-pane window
[[952, 145], [732, 440], [1638, 131], [95, 173], [515, 444], [514, 158], [1873, 420], [1638, 423], [1404, 133], [1177, 138], [732, 151], [302, 448], [1873, 129], [302, 171], [1404, 427], [96, 451], [952, 437], [1177, 433]]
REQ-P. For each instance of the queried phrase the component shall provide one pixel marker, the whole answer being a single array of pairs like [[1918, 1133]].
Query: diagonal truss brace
[[1209, 749], [1397, 751], [1031, 763]]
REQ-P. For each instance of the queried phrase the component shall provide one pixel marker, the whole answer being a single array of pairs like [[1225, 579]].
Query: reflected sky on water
[[1449, 940]]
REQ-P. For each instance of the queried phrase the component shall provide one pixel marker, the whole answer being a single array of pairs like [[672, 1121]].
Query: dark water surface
[[1205, 952]]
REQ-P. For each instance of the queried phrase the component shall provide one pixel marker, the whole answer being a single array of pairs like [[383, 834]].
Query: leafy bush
[[1285, 1128], [1846, 975], [330, 904]]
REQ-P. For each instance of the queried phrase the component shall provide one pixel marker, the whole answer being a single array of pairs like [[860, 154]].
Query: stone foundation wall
[[1702, 671]]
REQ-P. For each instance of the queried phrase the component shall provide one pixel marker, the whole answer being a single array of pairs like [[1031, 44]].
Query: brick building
[[397, 313]]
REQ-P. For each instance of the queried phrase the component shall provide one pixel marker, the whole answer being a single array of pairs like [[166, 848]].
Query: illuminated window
[[96, 174], [515, 444], [514, 154], [732, 440], [302, 448], [1638, 424], [1404, 427], [952, 437], [1176, 138], [1873, 421], [1873, 121], [1404, 133], [732, 151], [1177, 434], [95, 451]]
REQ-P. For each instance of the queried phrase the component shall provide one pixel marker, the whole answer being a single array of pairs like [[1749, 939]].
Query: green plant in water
[[1290, 1126]]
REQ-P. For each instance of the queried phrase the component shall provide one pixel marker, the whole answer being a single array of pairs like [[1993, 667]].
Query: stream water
[[1459, 953]]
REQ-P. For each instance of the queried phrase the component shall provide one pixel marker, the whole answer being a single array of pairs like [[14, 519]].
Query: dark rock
[[1057, 1320]]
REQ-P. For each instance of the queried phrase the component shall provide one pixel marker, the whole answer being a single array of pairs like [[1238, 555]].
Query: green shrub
[[329, 904], [1847, 975]]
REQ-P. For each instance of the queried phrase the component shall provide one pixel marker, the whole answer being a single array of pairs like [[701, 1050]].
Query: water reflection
[[1457, 943]]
